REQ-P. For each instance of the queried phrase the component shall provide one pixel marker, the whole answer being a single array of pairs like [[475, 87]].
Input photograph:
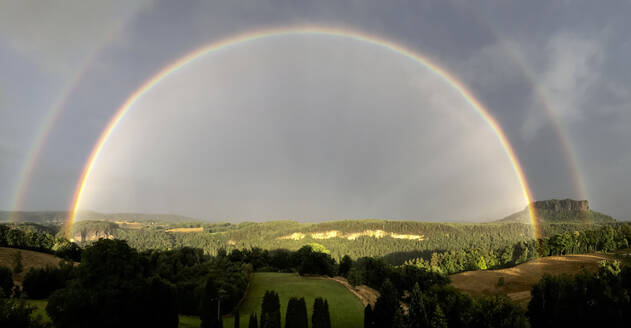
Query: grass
[[187, 321], [518, 280], [345, 308]]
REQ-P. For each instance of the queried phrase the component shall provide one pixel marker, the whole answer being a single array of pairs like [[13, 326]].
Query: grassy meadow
[[346, 309]]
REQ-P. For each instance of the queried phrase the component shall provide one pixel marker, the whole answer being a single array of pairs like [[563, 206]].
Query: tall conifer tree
[[253, 321]]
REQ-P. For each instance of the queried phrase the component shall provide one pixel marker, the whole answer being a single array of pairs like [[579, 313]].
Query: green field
[[346, 310]]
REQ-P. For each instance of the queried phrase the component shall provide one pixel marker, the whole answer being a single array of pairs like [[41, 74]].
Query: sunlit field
[[346, 309]]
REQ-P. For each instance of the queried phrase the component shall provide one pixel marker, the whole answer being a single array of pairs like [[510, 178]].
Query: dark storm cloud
[[576, 52]]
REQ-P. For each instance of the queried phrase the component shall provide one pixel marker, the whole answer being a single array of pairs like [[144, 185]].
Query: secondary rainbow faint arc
[[309, 30]]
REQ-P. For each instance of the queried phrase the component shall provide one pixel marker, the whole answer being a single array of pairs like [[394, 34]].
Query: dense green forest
[[399, 240]]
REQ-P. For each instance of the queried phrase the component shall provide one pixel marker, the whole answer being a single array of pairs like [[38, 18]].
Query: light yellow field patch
[[294, 236], [351, 236], [198, 229]]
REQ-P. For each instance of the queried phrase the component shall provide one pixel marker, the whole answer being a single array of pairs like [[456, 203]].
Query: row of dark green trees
[[295, 315], [38, 238]]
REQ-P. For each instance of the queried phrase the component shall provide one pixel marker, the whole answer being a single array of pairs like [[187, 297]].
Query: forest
[[392, 246]]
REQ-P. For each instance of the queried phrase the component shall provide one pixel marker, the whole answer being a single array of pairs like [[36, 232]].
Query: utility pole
[[220, 293]]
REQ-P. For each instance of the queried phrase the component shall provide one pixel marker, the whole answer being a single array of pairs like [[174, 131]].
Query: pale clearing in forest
[[352, 236], [198, 229]]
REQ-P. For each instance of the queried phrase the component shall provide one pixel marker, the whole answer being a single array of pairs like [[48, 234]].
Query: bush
[[6, 282], [40, 283], [500, 282], [18, 267], [17, 314], [112, 290]]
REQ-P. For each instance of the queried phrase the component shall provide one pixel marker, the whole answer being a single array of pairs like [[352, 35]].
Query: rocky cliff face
[[558, 205], [85, 236], [559, 211]]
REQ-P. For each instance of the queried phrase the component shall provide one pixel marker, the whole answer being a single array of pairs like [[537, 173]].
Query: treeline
[[187, 271], [36, 239], [116, 286], [439, 305], [584, 300], [607, 238]]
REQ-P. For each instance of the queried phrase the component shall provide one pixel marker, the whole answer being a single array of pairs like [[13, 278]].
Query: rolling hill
[[30, 259], [518, 280], [62, 216]]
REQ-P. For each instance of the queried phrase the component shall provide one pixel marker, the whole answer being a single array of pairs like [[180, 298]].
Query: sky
[[315, 127]]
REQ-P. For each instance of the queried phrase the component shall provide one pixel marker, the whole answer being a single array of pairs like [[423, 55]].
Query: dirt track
[[365, 294]]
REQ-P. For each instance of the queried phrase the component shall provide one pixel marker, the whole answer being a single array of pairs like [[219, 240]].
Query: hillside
[[30, 259], [34, 216], [519, 280], [398, 240], [561, 211]]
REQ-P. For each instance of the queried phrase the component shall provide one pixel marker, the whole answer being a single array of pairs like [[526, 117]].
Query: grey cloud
[[59, 34]]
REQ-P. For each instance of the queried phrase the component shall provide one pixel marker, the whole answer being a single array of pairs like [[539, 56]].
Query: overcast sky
[[316, 127]]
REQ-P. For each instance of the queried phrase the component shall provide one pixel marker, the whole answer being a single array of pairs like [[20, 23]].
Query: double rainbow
[[309, 30]]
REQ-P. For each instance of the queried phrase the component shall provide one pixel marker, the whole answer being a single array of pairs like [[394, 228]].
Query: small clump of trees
[[30, 238], [295, 315], [598, 299], [113, 288]]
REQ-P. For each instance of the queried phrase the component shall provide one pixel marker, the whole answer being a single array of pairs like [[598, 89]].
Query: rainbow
[[560, 130], [302, 30], [54, 113]]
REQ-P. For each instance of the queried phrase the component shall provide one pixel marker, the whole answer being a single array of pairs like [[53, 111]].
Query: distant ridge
[[90, 215], [62, 216], [560, 211], [33, 216]]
